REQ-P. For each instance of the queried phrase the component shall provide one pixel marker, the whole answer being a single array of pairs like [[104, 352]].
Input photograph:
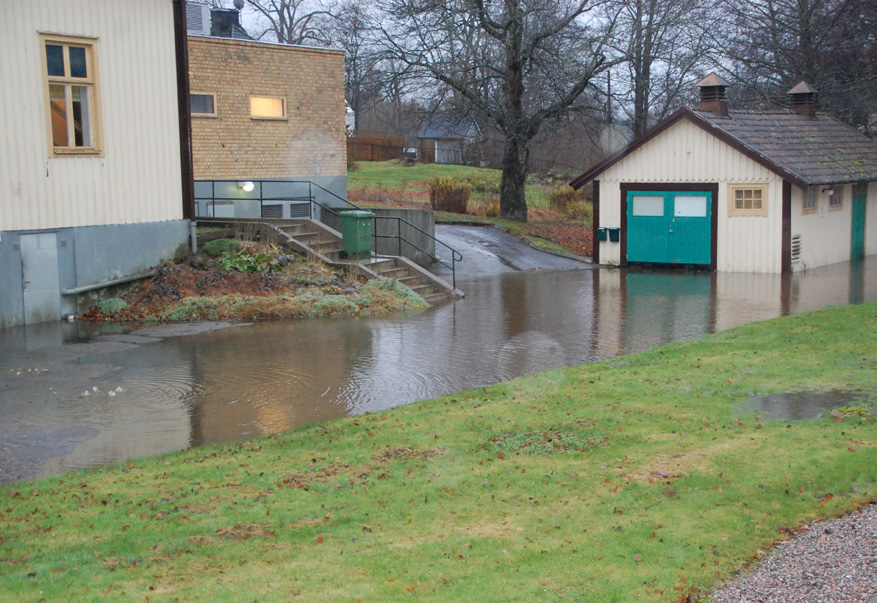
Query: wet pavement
[[73, 395]]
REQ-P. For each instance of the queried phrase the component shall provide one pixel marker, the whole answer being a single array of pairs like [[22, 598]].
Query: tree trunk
[[512, 198]]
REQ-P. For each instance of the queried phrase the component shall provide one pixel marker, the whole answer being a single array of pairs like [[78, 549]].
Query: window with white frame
[[72, 94], [202, 104], [747, 200]]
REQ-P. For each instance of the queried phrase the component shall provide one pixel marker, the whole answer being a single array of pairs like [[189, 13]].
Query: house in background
[[263, 113], [91, 169], [738, 191], [448, 140]]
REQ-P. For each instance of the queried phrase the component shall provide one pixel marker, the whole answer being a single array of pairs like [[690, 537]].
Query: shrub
[[491, 210], [580, 210], [447, 194], [244, 260], [217, 247], [488, 182], [399, 290], [112, 305], [559, 197]]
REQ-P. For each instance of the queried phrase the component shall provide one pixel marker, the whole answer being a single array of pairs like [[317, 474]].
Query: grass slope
[[637, 479]]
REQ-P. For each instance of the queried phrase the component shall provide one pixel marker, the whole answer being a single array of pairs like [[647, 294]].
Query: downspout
[[187, 171]]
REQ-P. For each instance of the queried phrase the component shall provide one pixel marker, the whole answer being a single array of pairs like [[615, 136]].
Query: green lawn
[[398, 178], [636, 479]]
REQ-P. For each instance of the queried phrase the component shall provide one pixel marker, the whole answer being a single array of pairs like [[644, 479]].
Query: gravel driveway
[[831, 562]]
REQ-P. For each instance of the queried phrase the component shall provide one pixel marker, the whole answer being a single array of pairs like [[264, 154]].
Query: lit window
[[203, 104], [72, 94], [747, 200], [262, 107], [836, 198]]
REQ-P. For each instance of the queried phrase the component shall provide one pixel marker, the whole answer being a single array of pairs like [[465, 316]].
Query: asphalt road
[[489, 251]]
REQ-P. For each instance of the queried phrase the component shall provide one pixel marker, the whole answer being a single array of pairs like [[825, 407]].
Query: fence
[[374, 146]]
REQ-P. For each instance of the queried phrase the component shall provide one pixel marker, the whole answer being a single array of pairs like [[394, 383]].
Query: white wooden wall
[[685, 153], [138, 178]]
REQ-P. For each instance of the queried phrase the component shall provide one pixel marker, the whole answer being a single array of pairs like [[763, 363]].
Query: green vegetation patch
[[549, 441], [672, 492]]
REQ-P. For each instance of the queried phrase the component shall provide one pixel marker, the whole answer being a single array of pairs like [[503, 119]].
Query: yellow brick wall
[[310, 142]]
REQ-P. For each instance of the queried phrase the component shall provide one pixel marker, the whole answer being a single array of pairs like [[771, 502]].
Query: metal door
[[857, 245], [39, 271], [669, 227]]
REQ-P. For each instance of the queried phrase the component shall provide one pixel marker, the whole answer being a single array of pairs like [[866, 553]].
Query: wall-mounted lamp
[[828, 190], [246, 186]]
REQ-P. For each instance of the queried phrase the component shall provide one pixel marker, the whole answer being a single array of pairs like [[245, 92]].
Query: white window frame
[[91, 83]]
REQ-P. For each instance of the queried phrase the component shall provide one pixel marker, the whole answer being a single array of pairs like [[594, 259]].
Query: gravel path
[[832, 562]]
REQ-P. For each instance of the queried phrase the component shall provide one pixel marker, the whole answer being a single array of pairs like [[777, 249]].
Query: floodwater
[[113, 397]]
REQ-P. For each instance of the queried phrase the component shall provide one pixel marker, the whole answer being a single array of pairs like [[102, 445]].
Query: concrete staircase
[[326, 244]]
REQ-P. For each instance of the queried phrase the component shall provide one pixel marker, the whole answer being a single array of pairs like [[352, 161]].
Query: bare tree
[[300, 22], [351, 32], [520, 63], [772, 44], [664, 44]]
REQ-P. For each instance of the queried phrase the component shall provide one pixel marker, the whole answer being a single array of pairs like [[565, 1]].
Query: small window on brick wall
[[266, 107], [747, 200], [203, 104]]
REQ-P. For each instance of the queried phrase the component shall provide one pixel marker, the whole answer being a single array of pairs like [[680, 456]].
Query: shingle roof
[[807, 151], [447, 127], [820, 150]]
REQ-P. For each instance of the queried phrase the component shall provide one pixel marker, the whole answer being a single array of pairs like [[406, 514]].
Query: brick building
[[265, 111]]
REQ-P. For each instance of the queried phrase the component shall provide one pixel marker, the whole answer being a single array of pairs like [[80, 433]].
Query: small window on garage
[[836, 198], [747, 200], [648, 205], [689, 206]]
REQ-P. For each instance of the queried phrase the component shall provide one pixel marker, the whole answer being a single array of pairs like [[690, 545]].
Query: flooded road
[[113, 397]]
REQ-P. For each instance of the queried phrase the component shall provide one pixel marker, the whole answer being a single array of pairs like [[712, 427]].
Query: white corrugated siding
[[825, 235], [138, 179], [686, 153]]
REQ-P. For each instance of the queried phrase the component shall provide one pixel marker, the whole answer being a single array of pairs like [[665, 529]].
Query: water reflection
[[247, 381]]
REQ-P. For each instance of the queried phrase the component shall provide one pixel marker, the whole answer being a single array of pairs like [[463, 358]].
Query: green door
[[857, 247], [669, 227]]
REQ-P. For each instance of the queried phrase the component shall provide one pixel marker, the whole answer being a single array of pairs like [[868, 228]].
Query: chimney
[[712, 95], [803, 99], [223, 22]]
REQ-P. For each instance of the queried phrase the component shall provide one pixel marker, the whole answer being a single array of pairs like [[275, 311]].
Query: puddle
[[804, 405]]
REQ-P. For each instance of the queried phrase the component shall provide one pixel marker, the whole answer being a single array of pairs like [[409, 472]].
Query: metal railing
[[257, 193]]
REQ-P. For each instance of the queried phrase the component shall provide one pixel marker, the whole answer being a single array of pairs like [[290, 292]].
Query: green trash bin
[[601, 234], [356, 228]]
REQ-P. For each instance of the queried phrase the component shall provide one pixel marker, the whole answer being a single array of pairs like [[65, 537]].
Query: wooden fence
[[374, 146]]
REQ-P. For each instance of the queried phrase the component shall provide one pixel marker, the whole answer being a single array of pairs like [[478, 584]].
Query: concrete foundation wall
[[86, 256]]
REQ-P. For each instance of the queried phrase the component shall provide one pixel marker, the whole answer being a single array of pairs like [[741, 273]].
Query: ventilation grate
[[796, 248], [272, 211]]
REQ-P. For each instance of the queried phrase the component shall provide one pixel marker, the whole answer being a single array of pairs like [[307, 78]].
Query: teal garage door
[[669, 227]]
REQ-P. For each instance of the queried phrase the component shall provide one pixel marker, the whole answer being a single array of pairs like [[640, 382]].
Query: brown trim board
[[786, 253], [187, 168], [595, 221]]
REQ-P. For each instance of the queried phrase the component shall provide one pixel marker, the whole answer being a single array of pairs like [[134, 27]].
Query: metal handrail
[[456, 256]]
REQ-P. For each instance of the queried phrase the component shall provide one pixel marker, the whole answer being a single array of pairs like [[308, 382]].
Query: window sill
[[760, 214], [75, 153], [808, 212], [835, 208], [205, 115], [269, 118]]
